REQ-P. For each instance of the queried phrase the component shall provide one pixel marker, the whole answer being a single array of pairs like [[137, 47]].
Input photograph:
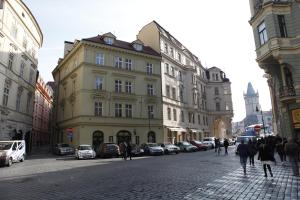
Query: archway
[[123, 136], [151, 137], [98, 138], [220, 129]]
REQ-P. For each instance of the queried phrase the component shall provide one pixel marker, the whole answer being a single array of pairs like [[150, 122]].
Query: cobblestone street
[[200, 175]]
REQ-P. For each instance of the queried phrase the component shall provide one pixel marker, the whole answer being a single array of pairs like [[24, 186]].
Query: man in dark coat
[[226, 144], [243, 153], [266, 156], [292, 150], [129, 149]]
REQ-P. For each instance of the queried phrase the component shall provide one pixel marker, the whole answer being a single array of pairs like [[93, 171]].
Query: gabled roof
[[122, 44], [109, 34]]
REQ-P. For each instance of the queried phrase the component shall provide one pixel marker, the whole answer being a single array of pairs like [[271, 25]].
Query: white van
[[209, 141], [12, 151]]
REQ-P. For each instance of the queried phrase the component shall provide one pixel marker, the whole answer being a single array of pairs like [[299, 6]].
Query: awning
[[177, 129]]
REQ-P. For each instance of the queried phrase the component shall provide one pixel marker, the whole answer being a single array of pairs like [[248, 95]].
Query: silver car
[[85, 151], [170, 148], [63, 149]]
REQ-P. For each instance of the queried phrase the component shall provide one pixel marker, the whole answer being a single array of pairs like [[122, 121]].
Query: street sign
[[257, 128]]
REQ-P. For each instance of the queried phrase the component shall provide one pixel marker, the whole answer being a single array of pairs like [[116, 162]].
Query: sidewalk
[[40, 152], [254, 185]]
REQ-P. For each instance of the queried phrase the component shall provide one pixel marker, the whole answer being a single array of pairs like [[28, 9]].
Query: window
[[128, 87], [227, 107], [118, 62], [218, 106], [22, 69], [5, 94], [118, 110], [109, 40], [169, 113], [18, 101], [172, 52], [100, 59], [194, 97], [28, 104], [150, 90], [168, 91], [137, 140], [128, 64], [216, 91], [179, 57], [199, 119], [190, 117], [181, 93], [217, 77], [204, 120], [128, 110], [166, 48], [99, 83], [173, 93], [182, 116], [193, 79], [10, 60], [98, 109], [282, 26], [25, 42], [149, 69], [31, 75], [174, 114], [138, 47], [118, 86], [167, 68], [150, 112], [262, 32], [193, 118], [172, 71], [180, 75], [14, 28]]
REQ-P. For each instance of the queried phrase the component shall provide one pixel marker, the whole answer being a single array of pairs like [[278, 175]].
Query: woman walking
[[266, 156], [252, 151]]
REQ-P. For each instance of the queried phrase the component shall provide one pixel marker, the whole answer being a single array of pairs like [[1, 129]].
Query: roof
[[250, 90], [122, 44]]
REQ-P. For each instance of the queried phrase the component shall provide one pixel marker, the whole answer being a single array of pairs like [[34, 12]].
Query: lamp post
[[262, 118]]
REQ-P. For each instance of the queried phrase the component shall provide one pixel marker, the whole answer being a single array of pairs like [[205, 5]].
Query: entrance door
[[97, 139], [123, 136]]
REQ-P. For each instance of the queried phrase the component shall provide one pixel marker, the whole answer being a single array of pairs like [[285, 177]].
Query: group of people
[[125, 150], [218, 145], [266, 148]]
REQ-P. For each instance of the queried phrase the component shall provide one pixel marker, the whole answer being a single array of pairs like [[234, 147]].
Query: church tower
[[251, 101]]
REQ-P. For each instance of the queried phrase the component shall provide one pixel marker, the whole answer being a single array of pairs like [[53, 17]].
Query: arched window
[[123, 136], [98, 138], [151, 137]]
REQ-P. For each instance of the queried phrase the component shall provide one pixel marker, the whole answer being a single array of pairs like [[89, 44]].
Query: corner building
[[196, 101], [276, 30], [20, 40], [108, 90]]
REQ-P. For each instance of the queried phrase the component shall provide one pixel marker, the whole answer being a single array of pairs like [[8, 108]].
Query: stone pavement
[[236, 185]]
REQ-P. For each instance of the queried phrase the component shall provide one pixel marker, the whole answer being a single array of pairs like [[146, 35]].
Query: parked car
[[186, 146], [152, 149], [12, 151], [63, 149], [209, 145], [85, 151], [209, 140], [136, 150], [199, 145], [170, 148], [108, 150]]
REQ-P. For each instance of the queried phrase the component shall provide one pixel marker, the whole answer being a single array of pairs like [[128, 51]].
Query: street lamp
[[262, 118]]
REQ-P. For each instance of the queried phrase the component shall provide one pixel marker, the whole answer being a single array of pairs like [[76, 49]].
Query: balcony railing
[[287, 91]]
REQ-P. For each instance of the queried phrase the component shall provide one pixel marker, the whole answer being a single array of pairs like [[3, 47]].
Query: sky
[[217, 32]]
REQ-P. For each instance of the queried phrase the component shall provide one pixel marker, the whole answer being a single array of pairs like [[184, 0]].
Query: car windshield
[[197, 142], [85, 148], [64, 145], [152, 145], [5, 145]]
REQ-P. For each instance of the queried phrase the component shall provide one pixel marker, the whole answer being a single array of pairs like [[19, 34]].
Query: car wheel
[[166, 151], [9, 162], [22, 158]]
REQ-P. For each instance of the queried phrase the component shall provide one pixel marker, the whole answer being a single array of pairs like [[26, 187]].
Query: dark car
[[108, 150], [63, 149], [199, 145], [186, 147], [136, 150]]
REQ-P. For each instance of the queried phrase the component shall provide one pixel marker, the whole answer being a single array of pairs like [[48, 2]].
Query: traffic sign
[[257, 128]]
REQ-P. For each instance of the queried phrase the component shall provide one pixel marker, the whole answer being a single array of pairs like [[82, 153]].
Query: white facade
[[20, 39]]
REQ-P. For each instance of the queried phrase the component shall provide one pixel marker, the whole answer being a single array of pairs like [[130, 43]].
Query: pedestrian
[[242, 149], [280, 149], [216, 144], [252, 151], [284, 141], [129, 148], [266, 157], [292, 150], [226, 144]]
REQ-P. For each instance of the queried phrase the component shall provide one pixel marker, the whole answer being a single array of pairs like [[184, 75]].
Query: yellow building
[[108, 90]]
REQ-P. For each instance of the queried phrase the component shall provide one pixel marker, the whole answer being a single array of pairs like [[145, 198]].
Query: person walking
[[216, 144], [252, 151], [292, 150], [279, 149], [129, 148], [284, 141], [226, 144], [242, 149], [266, 157]]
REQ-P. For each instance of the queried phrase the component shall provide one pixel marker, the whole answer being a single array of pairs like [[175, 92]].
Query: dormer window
[[108, 40], [138, 47]]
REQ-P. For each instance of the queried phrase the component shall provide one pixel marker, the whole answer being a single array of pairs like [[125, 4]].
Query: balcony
[[274, 46], [287, 93]]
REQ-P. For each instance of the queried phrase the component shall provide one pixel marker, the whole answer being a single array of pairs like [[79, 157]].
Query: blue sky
[[217, 32]]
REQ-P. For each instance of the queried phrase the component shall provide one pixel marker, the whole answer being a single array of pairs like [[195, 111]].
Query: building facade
[[108, 90], [20, 40], [191, 108], [276, 30], [43, 103]]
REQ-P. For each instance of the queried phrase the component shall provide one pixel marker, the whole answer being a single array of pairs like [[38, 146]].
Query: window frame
[[99, 59]]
